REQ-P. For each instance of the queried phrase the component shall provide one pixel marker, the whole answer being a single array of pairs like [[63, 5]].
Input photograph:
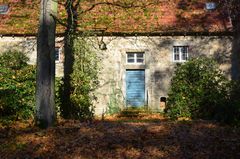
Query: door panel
[[135, 88]]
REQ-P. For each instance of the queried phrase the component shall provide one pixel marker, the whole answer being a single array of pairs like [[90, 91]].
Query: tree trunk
[[70, 33], [235, 17], [45, 105]]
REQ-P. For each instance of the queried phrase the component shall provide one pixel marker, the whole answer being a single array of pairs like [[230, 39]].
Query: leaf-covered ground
[[121, 138]]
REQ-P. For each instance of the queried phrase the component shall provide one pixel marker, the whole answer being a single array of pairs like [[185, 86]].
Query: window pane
[[184, 49], [184, 56], [140, 60], [4, 9], [176, 53], [57, 54], [130, 55], [176, 57], [136, 57], [130, 60], [180, 53], [139, 55], [184, 53], [176, 49]]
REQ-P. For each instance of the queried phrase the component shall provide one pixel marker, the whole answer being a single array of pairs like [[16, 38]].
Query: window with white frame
[[57, 54], [210, 5], [4, 9], [135, 57], [180, 53]]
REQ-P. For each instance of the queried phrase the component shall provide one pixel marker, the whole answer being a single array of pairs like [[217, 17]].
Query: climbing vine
[[83, 80], [115, 103]]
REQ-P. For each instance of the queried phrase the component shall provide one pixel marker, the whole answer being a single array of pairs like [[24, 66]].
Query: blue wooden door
[[135, 88]]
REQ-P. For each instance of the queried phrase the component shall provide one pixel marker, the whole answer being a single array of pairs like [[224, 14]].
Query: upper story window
[[210, 5], [135, 58], [4, 9], [180, 53], [57, 54]]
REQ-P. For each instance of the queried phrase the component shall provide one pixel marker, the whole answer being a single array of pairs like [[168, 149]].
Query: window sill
[[135, 66], [58, 62], [179, 61]]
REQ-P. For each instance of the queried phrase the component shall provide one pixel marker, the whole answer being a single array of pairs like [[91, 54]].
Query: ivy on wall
[[115, 103], [83, 82]]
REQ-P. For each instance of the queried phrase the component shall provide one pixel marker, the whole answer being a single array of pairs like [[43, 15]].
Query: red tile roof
[[147, 17]]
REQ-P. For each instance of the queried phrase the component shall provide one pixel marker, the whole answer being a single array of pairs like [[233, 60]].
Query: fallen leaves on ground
[[125, 138]]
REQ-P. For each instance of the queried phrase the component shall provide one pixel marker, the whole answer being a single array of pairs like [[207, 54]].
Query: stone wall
[[158, 66], [28, 45]]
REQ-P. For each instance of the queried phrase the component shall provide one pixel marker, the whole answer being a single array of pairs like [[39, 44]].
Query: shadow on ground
[[121, 139]]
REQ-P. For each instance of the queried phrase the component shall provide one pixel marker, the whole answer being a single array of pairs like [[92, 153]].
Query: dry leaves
[[122, 138]]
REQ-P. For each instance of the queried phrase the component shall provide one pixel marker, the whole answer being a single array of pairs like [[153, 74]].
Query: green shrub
[[17, 86], [114, 105], [198, 90], [83, 81], [229, 112], [58, 93]]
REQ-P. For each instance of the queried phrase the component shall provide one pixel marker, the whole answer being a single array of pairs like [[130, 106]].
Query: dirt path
[[122, 139]]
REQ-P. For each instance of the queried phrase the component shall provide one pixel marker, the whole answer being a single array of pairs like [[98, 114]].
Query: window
[[57, 54], [3, 9], [135, 58], [210, 5], [180, 53]]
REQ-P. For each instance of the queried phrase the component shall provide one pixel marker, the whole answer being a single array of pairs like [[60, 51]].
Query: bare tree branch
[[59, 21], [121, 5]]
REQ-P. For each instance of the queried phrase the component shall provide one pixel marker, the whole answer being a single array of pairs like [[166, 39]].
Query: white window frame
[[135, 58], [59, 54], [210, 5], [4, 9], [180, 49]]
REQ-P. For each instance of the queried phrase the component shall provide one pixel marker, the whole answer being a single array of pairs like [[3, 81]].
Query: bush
[[198, 90], [17, 86], [114, 104], [230, 111], [83, 81], [58, 94]]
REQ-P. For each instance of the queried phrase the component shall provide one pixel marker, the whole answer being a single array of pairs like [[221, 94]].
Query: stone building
[[138, 61]]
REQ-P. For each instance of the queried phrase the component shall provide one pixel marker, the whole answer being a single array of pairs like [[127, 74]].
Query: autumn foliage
[[116, 138], [121, 16]]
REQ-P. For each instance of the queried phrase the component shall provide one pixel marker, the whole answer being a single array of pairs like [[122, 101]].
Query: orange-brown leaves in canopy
[[123, 16]]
